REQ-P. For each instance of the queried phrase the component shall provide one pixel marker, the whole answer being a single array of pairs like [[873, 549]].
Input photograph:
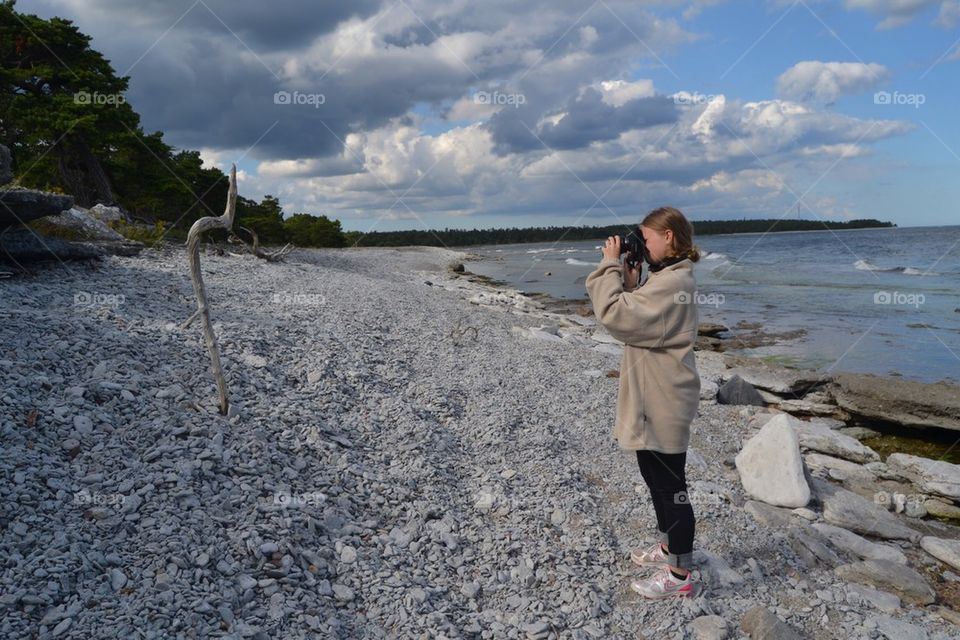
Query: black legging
[[664, 475]]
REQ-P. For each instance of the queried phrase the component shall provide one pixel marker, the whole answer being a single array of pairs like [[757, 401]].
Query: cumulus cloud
[[825, 82]]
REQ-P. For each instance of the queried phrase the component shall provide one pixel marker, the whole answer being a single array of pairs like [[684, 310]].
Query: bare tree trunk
[[269, 256], [203, 311]]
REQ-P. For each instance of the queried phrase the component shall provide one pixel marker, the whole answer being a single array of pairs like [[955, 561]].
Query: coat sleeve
[[637, 317]]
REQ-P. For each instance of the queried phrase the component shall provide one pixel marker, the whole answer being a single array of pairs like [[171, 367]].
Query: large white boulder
[[770, 466]]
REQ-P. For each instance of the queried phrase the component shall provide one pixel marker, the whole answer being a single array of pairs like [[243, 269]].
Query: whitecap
[[863, 265], [575, 261]]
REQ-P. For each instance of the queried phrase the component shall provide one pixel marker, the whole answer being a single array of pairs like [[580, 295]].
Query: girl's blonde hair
[[670, 218]]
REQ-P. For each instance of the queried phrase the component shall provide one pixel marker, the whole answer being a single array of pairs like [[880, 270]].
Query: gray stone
[[819, 437], [708, 628], [268, 548], [769, 515], [894, 629], [889, 576], [738, 391], [25, 205], [25, 246], [941, 509], [858, 545], [770, 466], [931, 476], [883, 600], [851, 511], [809, 546], [942, 549], [246, 582], [117, 579], [716, 568], [846, 468], [78, 222], [901, 401], [762, 624], [779, 380], [61, 627], [342, 592], [108, 214]]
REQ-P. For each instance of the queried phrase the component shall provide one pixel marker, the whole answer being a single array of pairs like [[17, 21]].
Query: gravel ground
[[399, 463]]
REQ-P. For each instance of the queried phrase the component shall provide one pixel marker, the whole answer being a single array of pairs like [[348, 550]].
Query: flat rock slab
[[819, 437], [23, 205], [889, 576], [851, 511], [932, 476], [947, 551], [858, 545], [779, 380], [901, 401]]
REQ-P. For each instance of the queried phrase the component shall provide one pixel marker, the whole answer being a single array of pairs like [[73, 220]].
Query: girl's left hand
[[612, 248]]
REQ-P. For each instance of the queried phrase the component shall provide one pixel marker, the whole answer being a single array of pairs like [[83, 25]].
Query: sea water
[[882, 301]]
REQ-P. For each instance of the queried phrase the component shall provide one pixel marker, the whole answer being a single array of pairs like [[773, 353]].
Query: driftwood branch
[[254, 246], [203, 310]]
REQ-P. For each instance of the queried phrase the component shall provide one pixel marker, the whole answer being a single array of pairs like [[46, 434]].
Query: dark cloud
[[588, 118]]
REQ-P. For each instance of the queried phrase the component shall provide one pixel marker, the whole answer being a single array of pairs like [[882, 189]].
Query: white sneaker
[[652, 555], [663, 584]]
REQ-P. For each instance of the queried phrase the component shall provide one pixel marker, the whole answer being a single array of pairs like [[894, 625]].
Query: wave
[[539, 250], [714, 256], [575, 261], [863, 265]]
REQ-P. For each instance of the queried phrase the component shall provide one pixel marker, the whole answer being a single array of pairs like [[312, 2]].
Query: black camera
[[635, 247]]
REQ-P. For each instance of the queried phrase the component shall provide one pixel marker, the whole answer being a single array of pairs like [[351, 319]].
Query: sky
[[427, 114]]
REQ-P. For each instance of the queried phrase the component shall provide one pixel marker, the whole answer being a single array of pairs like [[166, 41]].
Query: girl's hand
[[612, 248]]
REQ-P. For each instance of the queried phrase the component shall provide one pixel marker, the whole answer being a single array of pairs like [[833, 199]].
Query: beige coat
[[657, 322]]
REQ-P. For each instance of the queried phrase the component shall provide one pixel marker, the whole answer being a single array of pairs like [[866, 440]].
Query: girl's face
[[658, 242]]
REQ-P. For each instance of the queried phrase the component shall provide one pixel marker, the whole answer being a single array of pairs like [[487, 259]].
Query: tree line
[[516, 235]]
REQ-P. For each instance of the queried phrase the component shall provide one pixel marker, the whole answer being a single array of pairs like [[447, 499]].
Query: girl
[[659, 385]]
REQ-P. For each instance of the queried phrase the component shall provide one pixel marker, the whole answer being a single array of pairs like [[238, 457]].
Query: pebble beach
[[409, 454]]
